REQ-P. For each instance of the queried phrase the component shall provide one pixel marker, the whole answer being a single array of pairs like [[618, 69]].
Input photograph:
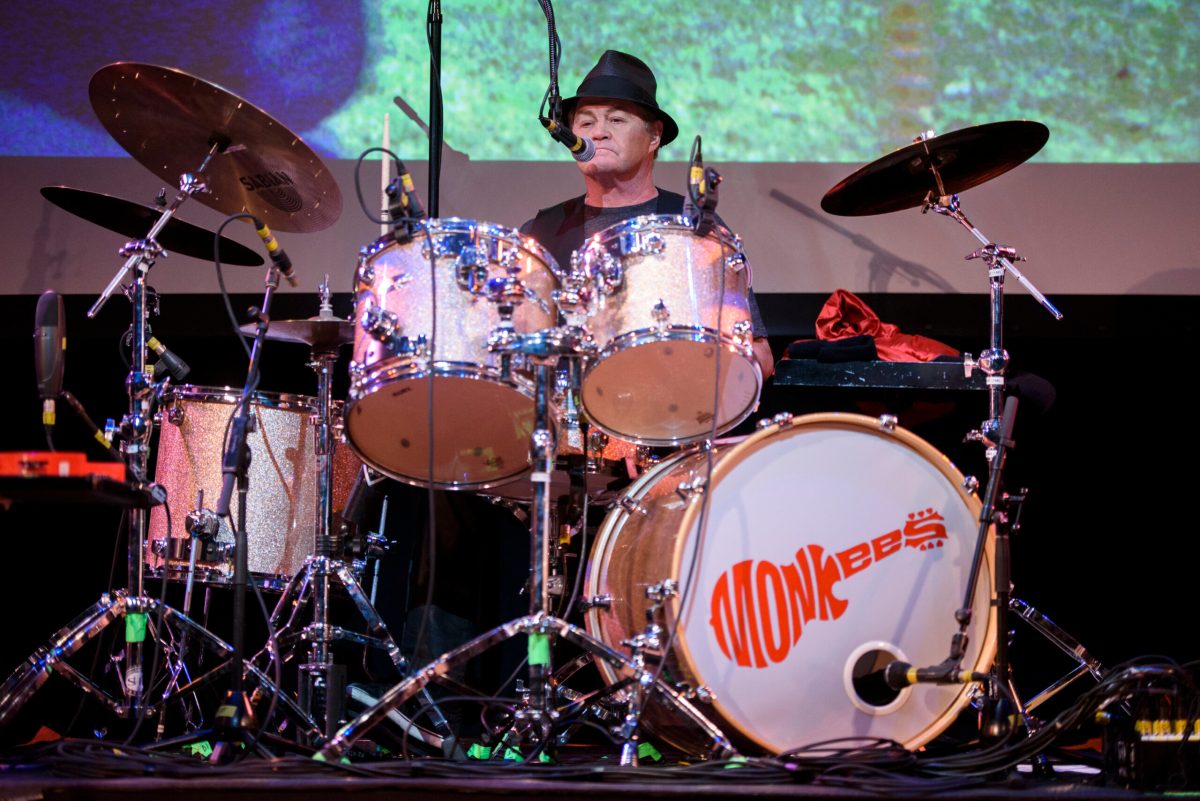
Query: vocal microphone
[[899, 675], [277, 254], [49, 349], [582, 148], [168, 362]]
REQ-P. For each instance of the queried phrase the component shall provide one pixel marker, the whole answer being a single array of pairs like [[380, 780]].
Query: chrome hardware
[[743, 333], [688, 490], [400, 280], [365, 274], [650, 244], [659, 592], [970, 484], [631, 506], [174, 415], [661, 314], [888, 422], [470, 270], [736, 261], [702, 693], [441, 249], [355, 369]]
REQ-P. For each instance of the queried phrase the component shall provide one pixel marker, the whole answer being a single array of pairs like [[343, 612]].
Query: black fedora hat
[[620, 76]]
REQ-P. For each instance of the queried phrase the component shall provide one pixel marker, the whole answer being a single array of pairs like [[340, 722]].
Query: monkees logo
[[760, 609]]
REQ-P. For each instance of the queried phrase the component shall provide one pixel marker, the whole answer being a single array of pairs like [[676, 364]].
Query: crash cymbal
[[319, 333], [169, 120], [135, 221], [961, 159]]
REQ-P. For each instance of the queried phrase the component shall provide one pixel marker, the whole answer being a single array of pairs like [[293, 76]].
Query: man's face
[[625, 140]]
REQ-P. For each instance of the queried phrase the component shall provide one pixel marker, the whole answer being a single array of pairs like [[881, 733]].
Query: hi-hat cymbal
[[319, 333], [960, 159], [169, 120], [135, 221]]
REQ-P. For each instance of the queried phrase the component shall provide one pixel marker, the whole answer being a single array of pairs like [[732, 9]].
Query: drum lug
[[381, 325], [736, 261], [888, 422], [175, 414], [631, 506], [366, 275], [783, 420], [743, 336], [661, 315], [688, 490], [664, 589], [470, 272], [703, 693], [970, 484], [603, 601], [650, 244]]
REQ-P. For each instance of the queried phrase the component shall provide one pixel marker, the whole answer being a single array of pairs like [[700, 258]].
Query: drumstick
[[385, 171]]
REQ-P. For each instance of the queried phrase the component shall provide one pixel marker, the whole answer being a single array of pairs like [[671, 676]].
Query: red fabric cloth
[[845, 315]]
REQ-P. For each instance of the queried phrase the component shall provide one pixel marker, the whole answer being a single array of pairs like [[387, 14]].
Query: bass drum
[[834, 544]]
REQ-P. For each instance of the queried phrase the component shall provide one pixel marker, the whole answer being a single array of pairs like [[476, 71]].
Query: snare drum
[[281, 508], [834, 545], [660, 303], [483, 414]]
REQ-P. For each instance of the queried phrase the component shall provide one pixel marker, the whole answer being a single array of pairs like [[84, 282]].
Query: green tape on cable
[[135, 627], [479, 751], [539, 649]]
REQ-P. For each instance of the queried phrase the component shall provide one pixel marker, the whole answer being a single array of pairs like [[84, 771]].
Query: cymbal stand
[[323, 681], [535, 718], [999, 260], [999, 509], [130, 604]]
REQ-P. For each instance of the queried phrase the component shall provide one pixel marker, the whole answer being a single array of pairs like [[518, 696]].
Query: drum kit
[[741, 594]]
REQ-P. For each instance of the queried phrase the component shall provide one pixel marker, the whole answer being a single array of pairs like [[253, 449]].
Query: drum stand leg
[[1086, 664], [139, 615], [535, 718]]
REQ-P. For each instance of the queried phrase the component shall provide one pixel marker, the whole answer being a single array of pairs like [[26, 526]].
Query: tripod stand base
[[539, 625], [141, 616]]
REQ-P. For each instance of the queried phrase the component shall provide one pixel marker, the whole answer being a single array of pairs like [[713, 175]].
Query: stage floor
[[78, 770]]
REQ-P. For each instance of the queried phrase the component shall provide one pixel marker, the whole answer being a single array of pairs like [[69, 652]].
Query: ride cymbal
[[944, 165], [135, 221], [169, 121]]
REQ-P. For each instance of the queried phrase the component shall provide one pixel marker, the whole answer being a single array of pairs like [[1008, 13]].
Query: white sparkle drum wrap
[[672, 301], [482, 419], [281, 508]]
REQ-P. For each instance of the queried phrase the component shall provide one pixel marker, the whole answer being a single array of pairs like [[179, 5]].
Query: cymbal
[[169, 120], [135, 221], [962, 159], [319, 333]]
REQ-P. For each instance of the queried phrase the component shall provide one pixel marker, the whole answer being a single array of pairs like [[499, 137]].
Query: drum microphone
[[582, 148], [168, 362], [278, 257], [405, 192], [899, 675], [49, 349]]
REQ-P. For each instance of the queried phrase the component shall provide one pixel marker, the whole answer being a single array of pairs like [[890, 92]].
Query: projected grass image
[[811, 80]]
